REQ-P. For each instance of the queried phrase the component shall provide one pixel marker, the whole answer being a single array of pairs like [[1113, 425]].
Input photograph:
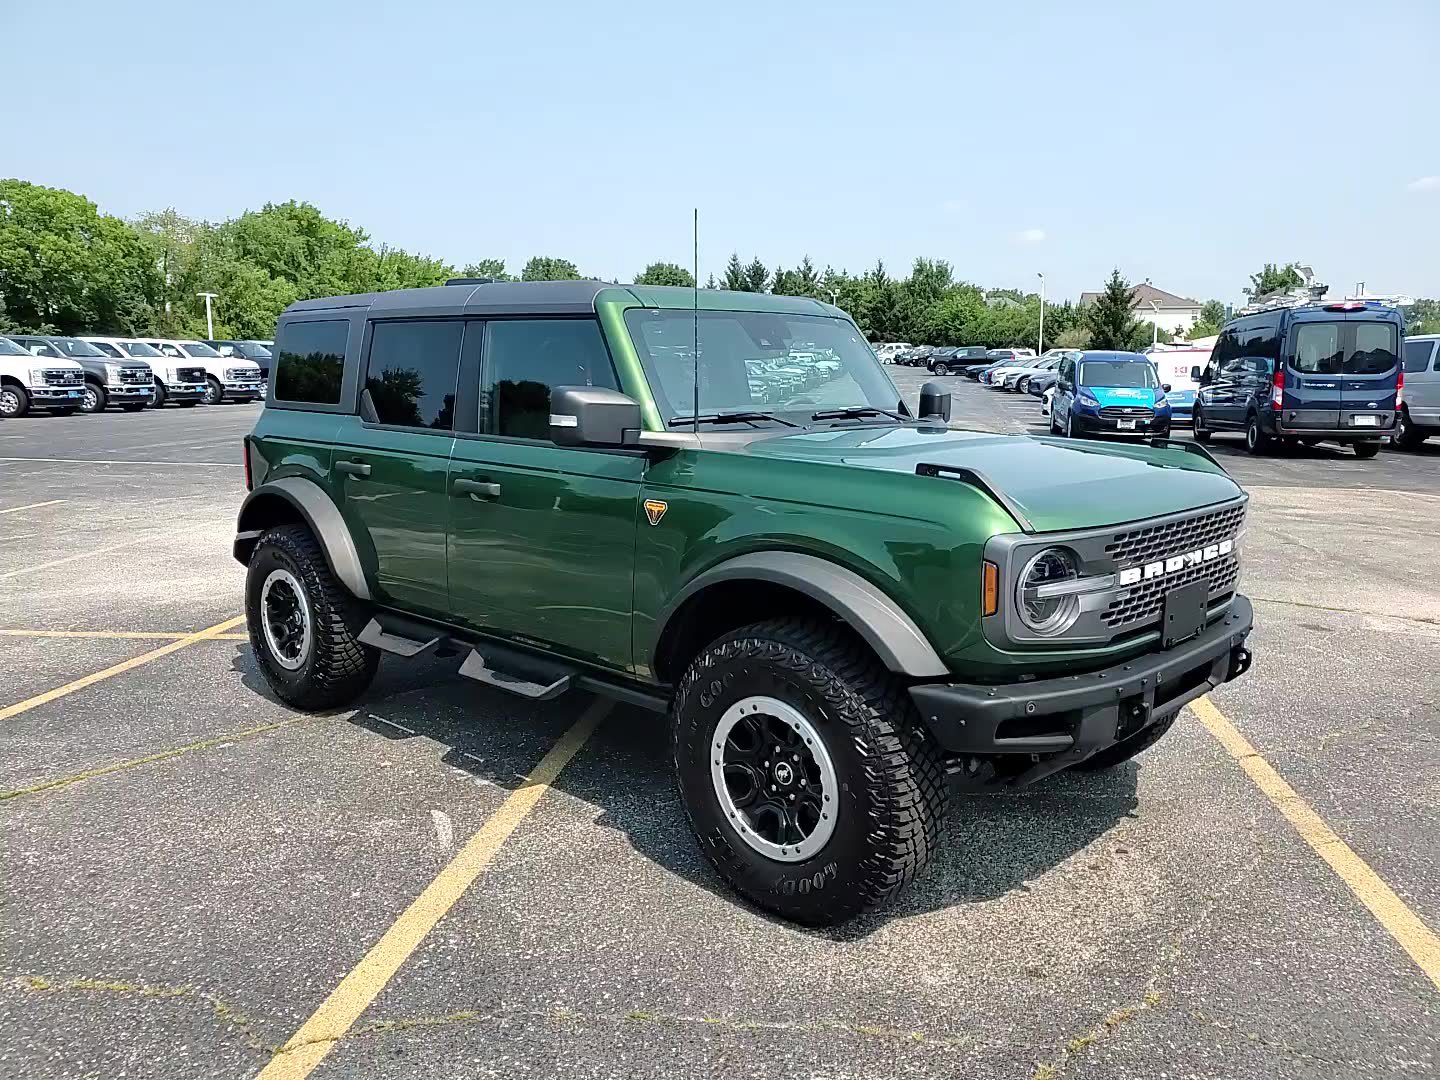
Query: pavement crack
[[1423, 620], [222, 1011]]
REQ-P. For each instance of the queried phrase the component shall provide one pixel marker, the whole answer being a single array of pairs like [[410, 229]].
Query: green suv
[[836, 601]]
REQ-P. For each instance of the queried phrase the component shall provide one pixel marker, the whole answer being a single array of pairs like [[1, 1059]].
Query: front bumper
[[1092, 424], [242, 391], [125, 392], [51, 396], [184, 391], [1063, 721]]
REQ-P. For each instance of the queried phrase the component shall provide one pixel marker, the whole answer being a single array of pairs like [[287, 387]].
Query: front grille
[[64, 377], [1145, 600], [1125, 412], [189, 374], [243, 374], [136, 375]]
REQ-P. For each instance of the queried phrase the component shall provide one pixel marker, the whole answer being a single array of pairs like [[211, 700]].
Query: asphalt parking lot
[[191, 870]]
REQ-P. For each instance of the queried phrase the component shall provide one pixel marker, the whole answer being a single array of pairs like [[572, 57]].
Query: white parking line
[[32, 506], [73, 558]]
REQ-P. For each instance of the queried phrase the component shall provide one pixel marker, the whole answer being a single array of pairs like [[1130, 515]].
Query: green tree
[[710, 282], [66, 266], [1076, 337], [1110, 319], [665, 273], [1212, 312], [491, 268], [735, 275], [547, 268], [1276, 279], [1422, 317], [757, 278]]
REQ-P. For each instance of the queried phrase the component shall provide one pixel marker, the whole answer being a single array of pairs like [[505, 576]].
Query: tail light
[[1400, 390], [245, 453], [1277, 389]]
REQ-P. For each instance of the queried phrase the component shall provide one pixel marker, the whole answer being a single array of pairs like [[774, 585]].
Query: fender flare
[[325, 520], [886, 628]]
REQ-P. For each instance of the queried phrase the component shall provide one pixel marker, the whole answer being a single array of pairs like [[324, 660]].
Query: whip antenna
[[695, 292]]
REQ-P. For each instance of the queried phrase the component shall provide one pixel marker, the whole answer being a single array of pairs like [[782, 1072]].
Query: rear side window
[[413, 371], [1317, 348], [1374, 349], [1417, 355], [311, 362], [525, 358]]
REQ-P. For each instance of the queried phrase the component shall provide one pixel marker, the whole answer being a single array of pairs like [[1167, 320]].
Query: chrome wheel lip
[[270, 602], [761, 705]]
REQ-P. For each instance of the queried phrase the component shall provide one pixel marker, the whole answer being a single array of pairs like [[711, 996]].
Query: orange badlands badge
[[655, 510]]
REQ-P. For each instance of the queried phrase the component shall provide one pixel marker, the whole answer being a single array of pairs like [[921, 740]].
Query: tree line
[[67, 268]]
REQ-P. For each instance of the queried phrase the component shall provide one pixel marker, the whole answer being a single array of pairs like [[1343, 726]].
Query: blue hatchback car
[[1109, 393]]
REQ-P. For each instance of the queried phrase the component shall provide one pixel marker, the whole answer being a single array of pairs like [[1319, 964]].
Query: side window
[[1267, 342], [1317, 348], [1417, 355], [413, 371], [1224, 350], [310, 361], [524, 358]]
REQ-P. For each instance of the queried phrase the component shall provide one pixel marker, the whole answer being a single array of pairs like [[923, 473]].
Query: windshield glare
[[1117, 373], [139, 348], [755, 360], [76, 347], [9, 348], [194, 348]]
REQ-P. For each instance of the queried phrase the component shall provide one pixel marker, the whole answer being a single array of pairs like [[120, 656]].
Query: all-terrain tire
[[1122, 752], [892, 790], [337, 667]]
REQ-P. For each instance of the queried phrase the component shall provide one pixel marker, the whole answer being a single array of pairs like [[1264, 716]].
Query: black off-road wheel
[[1122, 752], [808, 779], [304, 626]]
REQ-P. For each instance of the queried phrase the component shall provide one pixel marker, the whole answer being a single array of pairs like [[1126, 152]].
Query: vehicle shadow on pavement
[[994, 843]]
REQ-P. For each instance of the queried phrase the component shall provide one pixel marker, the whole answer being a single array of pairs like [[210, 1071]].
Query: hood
[[1123, 395], [1056, 483]]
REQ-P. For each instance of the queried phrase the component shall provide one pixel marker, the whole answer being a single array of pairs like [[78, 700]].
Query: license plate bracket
[[1183, 614], [1365, 420], [1125, 425]]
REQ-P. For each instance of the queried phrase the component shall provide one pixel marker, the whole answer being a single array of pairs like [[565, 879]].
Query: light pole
[[1155, 309], [1040, 345], [209, 315]]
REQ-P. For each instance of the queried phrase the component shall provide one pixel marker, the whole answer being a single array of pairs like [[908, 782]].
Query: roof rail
[[471, 281]]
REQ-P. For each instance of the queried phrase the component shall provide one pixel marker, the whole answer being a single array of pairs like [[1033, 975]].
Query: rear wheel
[[1197, 422], [940, 368], [1256, 441], [1124, 751], [14, 401], [807, 778], [1367, 449], [1407, 436], [304, 626], [92, 398]]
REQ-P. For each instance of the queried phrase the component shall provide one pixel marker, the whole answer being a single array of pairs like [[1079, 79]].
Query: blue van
[[1109, 393], [1305, 373]]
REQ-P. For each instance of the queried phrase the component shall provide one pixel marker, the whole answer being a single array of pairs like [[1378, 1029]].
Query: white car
[[41, 382], [227, 378], [182, 383], [892, 349], [1045, 400]]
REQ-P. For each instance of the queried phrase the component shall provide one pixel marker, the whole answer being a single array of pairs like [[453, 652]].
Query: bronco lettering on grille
[[1132, 574]]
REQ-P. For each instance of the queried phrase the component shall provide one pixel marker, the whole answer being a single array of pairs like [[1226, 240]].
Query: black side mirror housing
[[934, 402], [1195, 373], [1165, 387], [593, 416], [1206, 377]]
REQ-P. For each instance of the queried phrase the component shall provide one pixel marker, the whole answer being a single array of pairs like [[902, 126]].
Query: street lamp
[[209, 315], [1041, 343], [1155, 308]]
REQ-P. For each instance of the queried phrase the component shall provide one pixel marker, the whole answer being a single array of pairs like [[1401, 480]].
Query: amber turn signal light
[[991, 591]]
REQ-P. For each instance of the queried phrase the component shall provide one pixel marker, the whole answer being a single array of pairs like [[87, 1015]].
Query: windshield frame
[[1152, 383]]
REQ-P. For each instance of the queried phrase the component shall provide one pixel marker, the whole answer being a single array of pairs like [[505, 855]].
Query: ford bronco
[[838, 602]]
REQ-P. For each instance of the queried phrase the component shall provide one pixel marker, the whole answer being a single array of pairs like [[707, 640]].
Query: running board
[[377, 637], [528, 678]]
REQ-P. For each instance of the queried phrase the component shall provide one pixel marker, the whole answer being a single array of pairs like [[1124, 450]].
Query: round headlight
[[1048, 614]]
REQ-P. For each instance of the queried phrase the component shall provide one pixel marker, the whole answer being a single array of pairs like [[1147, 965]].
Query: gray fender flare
[[324, 519], [897, 641]]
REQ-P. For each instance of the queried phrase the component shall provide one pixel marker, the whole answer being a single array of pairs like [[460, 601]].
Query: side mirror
[[1207, 377], [934, 402], [1195, 373], [1165, 387], [592, 416]]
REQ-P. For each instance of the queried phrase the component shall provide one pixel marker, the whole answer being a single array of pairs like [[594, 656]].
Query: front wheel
[[157, 399], [14, 401], [304, 626], [1023, 386], [214, 392], [807, 778], [1197, 423], [1367, 449], [92, 398]]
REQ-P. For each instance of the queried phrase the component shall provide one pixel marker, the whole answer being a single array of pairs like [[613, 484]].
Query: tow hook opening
[[1239, 662]]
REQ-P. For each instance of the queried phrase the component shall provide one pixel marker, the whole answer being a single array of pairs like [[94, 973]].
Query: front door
[[542, 537], [392, 464]]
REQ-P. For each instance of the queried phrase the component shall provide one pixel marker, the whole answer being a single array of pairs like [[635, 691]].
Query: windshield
[[194, 348], [9, 348], [76, 347], [753, 360], [1117, 373], [254, 351], [139, 348], [108, 349]]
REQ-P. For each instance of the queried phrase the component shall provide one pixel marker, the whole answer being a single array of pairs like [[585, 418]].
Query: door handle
[[352, 468], [479, 490]]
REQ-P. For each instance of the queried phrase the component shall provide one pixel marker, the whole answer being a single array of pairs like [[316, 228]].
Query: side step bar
[[395, 641], [522, 675]]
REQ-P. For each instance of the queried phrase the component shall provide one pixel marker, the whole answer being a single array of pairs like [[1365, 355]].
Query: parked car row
[[946, 359], [64, 375]]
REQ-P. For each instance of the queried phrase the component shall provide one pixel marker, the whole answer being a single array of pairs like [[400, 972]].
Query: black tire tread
[[905, 773], [343, 667]]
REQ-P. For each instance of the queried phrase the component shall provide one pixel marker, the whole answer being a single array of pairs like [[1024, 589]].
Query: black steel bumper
[[1065, 720], [46, 397]]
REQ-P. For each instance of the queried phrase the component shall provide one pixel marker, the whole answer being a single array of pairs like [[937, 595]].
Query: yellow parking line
[[129, 635], [1393, 914], [337, 1014], [118, 669], [31, 506]]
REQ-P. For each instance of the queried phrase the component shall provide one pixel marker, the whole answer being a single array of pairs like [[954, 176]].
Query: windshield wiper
[[858, 412], [740, 416]]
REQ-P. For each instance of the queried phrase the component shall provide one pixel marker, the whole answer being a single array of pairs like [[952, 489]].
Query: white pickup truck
[[227, 378], [40, 382]]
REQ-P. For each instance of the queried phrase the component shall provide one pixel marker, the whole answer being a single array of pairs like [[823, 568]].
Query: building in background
[[1174, 314]]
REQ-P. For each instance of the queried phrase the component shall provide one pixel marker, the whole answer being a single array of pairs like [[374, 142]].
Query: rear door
[[1422, 380], [1314, 357], [1369, 373]]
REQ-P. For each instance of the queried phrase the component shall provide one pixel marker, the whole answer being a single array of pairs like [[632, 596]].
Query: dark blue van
[[1305, 373]]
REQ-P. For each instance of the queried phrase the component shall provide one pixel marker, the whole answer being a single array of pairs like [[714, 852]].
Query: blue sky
[[1186, 144]]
